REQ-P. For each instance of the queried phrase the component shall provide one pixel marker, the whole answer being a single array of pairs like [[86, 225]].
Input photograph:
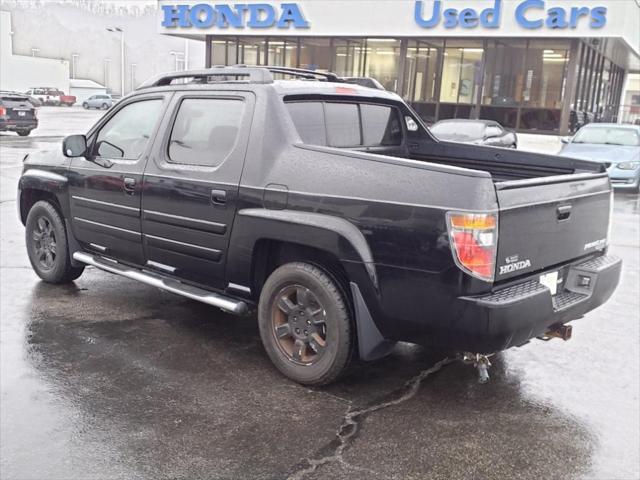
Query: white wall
[[19, 72]]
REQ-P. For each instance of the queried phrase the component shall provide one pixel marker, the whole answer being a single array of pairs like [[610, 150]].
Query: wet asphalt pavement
[[110, 379]]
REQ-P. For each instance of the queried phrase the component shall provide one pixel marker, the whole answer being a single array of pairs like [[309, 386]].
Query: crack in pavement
[[353, 419]]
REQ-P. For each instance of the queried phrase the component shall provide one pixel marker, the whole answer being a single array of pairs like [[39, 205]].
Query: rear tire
[[24, 133], [47, 246], [105, 106], [305, 324]]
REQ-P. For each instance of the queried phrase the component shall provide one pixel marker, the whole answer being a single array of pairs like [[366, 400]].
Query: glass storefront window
[[382, 59], [545, 73], [349, 57], [504, 73], [316, 54], [461, 71], [421, 71], [283, 52]]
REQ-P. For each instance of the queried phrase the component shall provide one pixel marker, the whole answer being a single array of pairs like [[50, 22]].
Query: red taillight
[[3, 111], [474, 241]]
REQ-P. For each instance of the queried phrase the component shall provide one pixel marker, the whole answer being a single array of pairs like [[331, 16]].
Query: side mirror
[[74, 146], [565, 140]]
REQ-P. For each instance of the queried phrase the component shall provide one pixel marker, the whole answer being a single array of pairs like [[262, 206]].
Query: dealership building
[[540, 66]]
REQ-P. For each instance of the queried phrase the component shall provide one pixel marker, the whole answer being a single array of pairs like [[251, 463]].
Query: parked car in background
[[17, 114], [477, 132], [99, 101], [364, 82], [47, 95], [615, 145]]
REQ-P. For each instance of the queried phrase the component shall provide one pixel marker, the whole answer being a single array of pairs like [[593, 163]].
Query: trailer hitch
[[480, 362], [557, 331]]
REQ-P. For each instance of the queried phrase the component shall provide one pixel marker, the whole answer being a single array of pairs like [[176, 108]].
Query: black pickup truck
[[327, 207]]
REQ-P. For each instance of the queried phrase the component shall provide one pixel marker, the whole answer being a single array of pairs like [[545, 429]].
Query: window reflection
[[544, 75], [383, 55], [461, 71]]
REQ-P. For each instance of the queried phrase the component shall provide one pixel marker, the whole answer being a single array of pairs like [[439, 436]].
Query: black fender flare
[[328, 233], [57, 185]]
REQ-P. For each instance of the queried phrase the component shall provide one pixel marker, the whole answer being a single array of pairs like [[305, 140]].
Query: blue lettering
[[226, 16], [202, 15], [291, 15], [173, 14], [468, 18], [576, 13], [556, 18], [490, 17], [450, 18], [522, 9], [262, 15], [435, 17], [598, 17]]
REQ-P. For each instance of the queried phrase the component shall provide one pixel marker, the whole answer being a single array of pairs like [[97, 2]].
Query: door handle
[[564, 212], [219, 197], [129, 184]]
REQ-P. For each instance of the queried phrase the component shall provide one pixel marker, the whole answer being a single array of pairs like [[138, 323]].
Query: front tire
[[47, 245], [85, 106], [305, 324], [105, 106], [24, 133]]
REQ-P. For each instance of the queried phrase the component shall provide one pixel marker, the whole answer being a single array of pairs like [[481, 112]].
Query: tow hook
[[558, 331], [480, 362]]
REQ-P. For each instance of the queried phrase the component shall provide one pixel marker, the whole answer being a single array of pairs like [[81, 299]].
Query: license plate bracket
[[550, 280]]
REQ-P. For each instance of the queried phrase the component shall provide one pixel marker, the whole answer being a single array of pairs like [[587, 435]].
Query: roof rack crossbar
[[244, 74]]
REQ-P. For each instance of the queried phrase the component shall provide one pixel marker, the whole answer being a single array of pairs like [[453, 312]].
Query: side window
[[492, 131], [126, 134], [205, 131], [380, 126], [343, 124], [308, 117]]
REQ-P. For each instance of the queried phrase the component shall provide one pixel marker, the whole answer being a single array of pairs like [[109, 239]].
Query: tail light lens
[[474, 241], [3, 111]]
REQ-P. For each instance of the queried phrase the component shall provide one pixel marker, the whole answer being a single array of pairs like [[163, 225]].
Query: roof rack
[[242, 74]]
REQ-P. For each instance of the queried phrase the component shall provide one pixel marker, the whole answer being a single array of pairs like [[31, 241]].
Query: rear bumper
[[14, 125], [513, 315]]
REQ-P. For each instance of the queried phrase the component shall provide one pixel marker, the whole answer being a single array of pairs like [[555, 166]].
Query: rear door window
[[343, 124], [308, 118], [205, 131], [380, 126]]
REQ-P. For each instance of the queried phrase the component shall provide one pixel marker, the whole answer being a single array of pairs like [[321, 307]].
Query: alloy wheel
[[299, 324]]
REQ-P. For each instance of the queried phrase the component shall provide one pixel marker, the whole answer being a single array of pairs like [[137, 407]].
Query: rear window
[[342, 124], [13, 98]]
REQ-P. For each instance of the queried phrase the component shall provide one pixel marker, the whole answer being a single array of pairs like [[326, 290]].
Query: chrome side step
[[225, 303]]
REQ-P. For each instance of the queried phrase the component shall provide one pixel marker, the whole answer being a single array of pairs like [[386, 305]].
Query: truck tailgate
[[549, 221]]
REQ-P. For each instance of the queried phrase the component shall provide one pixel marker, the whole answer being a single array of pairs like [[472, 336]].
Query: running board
[[227, 304]]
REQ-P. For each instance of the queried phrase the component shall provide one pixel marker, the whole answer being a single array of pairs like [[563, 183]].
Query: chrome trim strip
[[110, 227], [190, 245], [225, 303], [218, 227], [106, 204]]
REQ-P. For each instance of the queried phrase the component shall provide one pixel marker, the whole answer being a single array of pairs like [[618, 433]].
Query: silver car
[[615, 145], [99, 101]]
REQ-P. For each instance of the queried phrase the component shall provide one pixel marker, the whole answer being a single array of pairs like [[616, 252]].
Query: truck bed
[[503, 164]]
